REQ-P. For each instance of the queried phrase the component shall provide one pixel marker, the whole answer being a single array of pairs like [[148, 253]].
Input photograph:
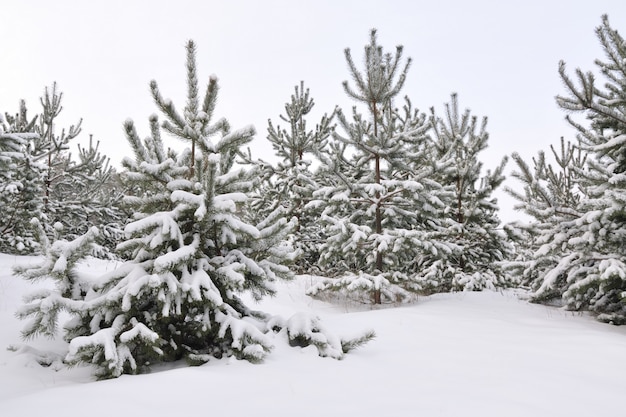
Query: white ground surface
[[463, 354]]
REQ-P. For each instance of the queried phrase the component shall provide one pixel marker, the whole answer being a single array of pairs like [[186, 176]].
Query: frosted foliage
[[41, 179], [470, 226], [286, 187], [304, 328], [375, 191], [246, 337], [21, 182], [573, 252], [43, 308], [361, 287], [191, 255], [405, 207]]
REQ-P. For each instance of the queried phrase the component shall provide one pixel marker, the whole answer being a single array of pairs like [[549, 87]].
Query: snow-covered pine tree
[[589, 242], [53, 143], [471, 222], [78, 193], [292, 144], [42, 181], [60, 261], [190, 252], [21, 182], [85, 191], [373, 206], [551, 195], [288, 186]]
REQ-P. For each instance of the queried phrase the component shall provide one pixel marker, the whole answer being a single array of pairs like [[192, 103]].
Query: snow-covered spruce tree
[[375, 206], [591, 269], [550, 196], [288, 185], [471, 222], [21, 182], [190, 257]]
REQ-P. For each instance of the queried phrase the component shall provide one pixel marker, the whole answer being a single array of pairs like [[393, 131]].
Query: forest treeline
[[384, 201]]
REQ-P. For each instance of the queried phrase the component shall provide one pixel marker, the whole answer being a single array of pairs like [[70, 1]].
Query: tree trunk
[[379, 214], [460, 218], [193, 159]]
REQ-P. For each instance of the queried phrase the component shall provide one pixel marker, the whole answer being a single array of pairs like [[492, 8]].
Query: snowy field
[[464, 354]]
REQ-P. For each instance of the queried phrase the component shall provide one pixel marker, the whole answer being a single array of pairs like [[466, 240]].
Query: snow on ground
[[463, 354]]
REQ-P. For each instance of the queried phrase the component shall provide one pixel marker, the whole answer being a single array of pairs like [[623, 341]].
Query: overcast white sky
[[500, 57]]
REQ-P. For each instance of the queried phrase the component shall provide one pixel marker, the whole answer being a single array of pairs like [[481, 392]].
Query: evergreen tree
[[378, 201], [190, 255], [60, 261], [80, 192], [586, 239], [42, 180], [293, 144], [471, 222], [52, 143], [21, 182], [190, 252], [86, 191], [551, 195], [288, 186]]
